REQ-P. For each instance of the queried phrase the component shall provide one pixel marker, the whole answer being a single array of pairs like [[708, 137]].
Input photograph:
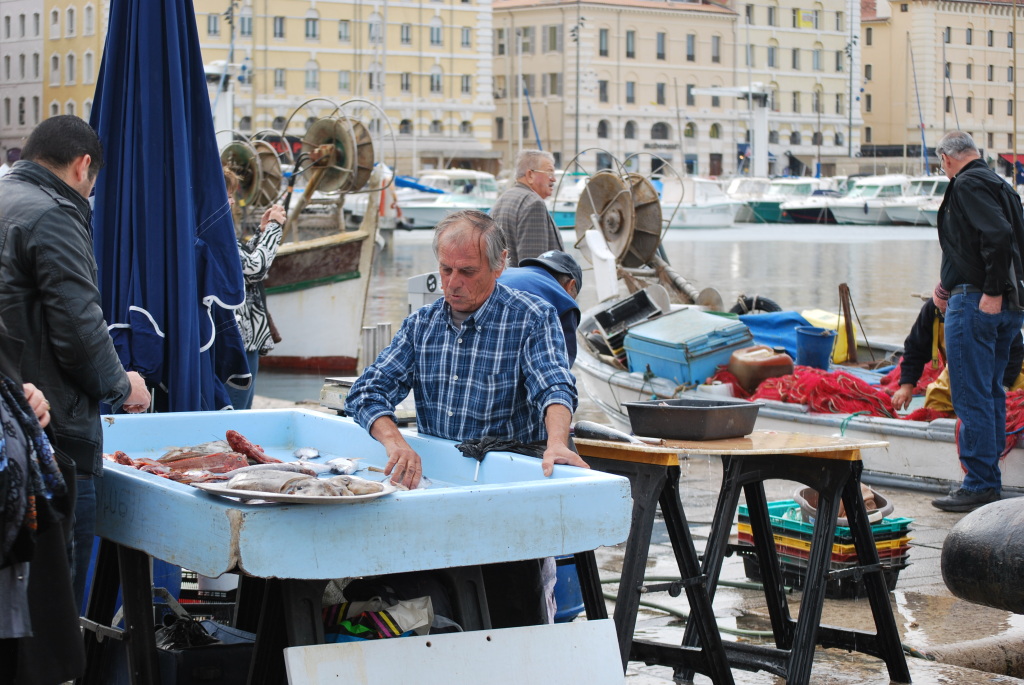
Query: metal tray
[[692, 419], [253, 495]]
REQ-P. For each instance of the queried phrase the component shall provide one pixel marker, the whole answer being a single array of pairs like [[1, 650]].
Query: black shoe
[[966, 500]]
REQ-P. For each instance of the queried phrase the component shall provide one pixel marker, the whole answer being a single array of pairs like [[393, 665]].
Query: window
[[772, 21], [21, 25], [279, 79], [716, 49], [213, 24], [794, 138], [551, 84], [840, 61], [749, 13], [278, 123], [602, 91], [773, 137], [466, 128], [715, 132], [816, 60], [70, 108], [716, 101], [344, 34], [552, 38], [630, 44], [796, 101], [1009, 74], [839, 138], [375, 78], [467, 84], [659, 45], [436, 32], [499, 128], [436, 127], [991, 39], [7, 111], [526, 126], [54, 109], [691, 99], [868, 35], [35, 32], [278, 27], [344, 81], [796, 18], [21, 66], [54, 70], [405, 127], [749, 53], [817, 138], [312, 76], [1009, 109], [772, 57], [691, 47], [947, 33], [406, 82], [467, 37], [867, 103], [7, 67], [991, 107], [405, 34], [54, 33], [312, 28], [969, 71], [991, 72], [629, 132], [660, 131], [7, 34], [436, 76], [991, 140], [71, 24], [630, 92], [602, 42], [796, 58], [499, 41], [867, 72], [602, 129], [1009, 43], [87, 68], [375, 29], [867, 134], [660, 93], [839, 21], [526, 40], [970, 36], [35, 65], [245, 27]]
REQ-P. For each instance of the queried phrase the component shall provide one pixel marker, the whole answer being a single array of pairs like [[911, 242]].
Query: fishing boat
[[461, 189], [321, 271], [908, 208], [747, 189], [692, 202], [866, 201], [768, 208], [816, 209]]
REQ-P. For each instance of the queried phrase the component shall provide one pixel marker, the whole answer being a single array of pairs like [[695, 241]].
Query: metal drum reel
[[607, 204], [337, 154], [242, 158]]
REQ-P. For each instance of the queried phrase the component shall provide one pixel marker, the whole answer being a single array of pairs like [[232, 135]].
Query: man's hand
[[404, 464], [991, 304], [901, 398], [560, 454], [139, 398], [36, 400], [940, 297]]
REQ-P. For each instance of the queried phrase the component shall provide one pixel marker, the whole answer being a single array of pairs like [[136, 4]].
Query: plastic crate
[[776, 511], [835, 588], [837, 548], [804, 552]]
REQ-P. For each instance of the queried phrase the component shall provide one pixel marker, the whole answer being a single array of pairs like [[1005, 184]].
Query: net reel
[[339, 154]]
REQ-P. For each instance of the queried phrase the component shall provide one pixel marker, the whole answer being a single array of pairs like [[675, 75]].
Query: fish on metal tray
[[290, 466], [596, 431], [357, 485], [267, 480], [212, 447], [343, 466]]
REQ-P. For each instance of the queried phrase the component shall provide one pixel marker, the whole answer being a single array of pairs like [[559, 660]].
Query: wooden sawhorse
[[832, 466]]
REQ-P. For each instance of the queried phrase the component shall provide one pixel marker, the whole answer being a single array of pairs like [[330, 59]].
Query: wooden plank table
[[830, 465]]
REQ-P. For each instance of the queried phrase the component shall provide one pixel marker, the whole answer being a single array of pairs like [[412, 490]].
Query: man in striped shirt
[[484, 361]]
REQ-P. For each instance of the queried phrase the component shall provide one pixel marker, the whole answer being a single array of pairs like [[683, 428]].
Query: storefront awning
[[1008, 158]]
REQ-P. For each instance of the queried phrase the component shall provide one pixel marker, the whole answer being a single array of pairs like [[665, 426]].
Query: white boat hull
[[919, 454], [906, 214], [863, 213], [716, 215]]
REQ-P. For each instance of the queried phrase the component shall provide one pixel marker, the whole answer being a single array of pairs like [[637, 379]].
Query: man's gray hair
[[478, 224], [955, 143], [531, 159]]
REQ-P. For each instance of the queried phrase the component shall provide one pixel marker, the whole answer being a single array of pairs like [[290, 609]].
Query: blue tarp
[[410, 182], [776, 329], [169, 270]]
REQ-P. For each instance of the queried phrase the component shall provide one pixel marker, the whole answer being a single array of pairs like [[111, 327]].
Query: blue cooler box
[[685, 346]]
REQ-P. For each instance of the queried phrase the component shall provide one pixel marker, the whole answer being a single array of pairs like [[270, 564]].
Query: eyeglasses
[[550, 174]]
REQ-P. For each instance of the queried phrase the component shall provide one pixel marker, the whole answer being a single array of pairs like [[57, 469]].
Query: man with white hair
[[981, 233], [520, 212]]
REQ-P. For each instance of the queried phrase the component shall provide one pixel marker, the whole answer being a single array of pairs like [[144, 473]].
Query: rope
[[846, 421]]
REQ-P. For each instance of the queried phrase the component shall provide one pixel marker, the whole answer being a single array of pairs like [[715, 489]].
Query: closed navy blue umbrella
[[169, 270]]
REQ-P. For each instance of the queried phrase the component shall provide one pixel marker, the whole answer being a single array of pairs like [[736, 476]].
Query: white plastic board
[[580, 652]]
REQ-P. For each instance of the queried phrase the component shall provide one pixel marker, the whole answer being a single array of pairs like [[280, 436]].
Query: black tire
[[756, 304]]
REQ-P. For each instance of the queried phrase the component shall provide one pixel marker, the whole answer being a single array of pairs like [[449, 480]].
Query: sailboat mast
[[920, 114]]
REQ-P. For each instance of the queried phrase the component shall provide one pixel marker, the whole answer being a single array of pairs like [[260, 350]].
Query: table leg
[[137, 594], [100, 610], [768, 563], [267, 666], [590, 586]]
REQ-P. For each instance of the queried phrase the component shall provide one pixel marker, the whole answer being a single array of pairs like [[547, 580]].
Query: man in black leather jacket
[[49, 300]]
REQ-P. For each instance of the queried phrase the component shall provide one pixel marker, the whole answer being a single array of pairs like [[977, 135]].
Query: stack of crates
[[206, 604], [793, 543]]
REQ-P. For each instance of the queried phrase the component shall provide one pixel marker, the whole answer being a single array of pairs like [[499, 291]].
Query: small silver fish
[[597, 431], [343, 466], [304, 453]]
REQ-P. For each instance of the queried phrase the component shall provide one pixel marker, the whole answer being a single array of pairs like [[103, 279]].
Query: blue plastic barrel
[[814, 346], [568, 596]]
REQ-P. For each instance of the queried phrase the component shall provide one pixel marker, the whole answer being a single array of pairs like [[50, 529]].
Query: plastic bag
[[184, 632], [374, 619]]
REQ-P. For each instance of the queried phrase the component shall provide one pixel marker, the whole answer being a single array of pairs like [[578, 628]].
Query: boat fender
[[746, 304]]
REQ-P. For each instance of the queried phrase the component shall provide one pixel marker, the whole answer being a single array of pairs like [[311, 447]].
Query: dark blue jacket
[[538, 281]]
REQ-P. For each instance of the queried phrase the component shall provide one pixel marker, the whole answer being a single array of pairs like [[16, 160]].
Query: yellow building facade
[[73, 35], [935, 66], [426, 65]]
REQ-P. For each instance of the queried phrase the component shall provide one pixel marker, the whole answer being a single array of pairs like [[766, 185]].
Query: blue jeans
[[242, 399], [85, 530], [978, 349]]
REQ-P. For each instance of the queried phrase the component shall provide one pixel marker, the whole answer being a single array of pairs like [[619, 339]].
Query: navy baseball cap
[[557, 262]]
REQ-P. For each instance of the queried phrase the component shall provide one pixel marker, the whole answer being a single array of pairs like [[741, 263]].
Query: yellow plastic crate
[[836, 547]]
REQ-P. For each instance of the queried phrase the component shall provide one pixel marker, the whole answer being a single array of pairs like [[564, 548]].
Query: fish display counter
[[509, 512]]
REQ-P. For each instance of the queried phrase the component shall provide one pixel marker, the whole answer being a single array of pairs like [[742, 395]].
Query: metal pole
[[576, 37], [520, 86], [1014, 100], [849, 141]]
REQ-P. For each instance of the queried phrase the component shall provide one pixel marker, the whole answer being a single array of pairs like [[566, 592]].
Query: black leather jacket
[[49, 301]]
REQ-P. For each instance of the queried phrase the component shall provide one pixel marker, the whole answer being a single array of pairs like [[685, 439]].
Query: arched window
[[87, 68], [89, 22], [71, 22], [310, 121], [436, 80], [245, 123], [602, 129], [278, 123], [794, 138], [773, 137], [405, 127], [839, 138], [55, 70], [70, 62], [660, 131], [466, 128], [691, 130], [817, 138], [69, 108], [87, 110], [376, 28], [630, 131], [54, 109], [715, 132], [436, 127]]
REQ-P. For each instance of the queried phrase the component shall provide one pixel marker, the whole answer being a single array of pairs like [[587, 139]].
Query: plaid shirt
[[524, 218], [492, 378]]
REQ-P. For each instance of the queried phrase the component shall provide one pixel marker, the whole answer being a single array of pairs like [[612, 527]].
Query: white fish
[[304, 453], [343, 466]]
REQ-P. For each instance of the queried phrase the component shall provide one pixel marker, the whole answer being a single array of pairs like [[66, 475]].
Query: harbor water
[[798, 266]]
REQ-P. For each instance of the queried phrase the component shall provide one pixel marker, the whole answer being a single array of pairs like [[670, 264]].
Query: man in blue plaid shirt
[[484, 361]]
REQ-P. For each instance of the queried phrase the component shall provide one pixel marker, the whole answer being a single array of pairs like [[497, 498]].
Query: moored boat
[[692, 202], [768, 208], [462, 189], [747, 189], [907, 209], [865, 203]]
